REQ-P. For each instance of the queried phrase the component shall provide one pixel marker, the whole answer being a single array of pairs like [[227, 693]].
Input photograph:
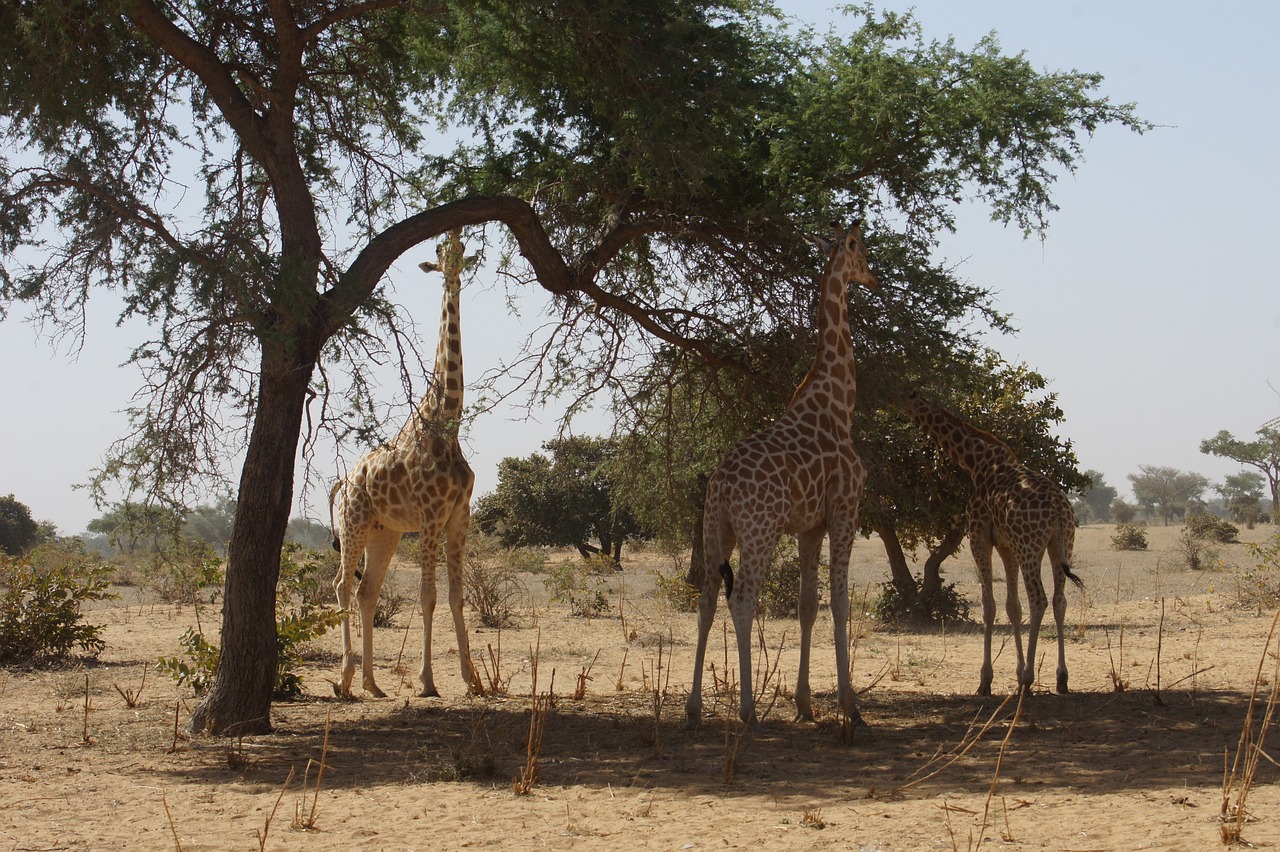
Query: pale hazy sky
[[1152, 305]]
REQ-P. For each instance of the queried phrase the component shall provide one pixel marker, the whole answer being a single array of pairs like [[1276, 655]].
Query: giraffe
[[418, 481], [1018, 512], [802, 476]]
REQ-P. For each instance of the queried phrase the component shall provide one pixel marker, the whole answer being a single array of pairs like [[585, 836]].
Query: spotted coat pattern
[[1019, 513], [799, 476], [419, 481]]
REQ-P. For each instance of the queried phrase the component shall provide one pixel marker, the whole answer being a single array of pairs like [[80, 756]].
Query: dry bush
[[1129, 537], [1259, 587], [490, 583]]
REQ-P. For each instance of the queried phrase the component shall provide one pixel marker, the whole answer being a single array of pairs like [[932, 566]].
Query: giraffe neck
[[442, 404], [972, 449], [832, 378]]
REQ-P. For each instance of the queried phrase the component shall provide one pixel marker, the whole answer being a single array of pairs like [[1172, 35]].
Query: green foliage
[[1212, 528], [565, 500], [676, 591], [780, 591], [199, 666], [581, 585], [1093, 502], [1262, 454], [1129, 537], [41, 609], [948, 605], [133, 527], [294, 628], [184, 570], [18, 530], [1258, 587], [306, 575], [299, 619]]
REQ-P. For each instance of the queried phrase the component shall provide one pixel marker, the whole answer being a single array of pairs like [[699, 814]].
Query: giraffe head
[[847, 257]]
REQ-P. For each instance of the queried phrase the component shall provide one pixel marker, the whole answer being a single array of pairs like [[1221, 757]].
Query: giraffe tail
[[1066, 569], [727, 573]]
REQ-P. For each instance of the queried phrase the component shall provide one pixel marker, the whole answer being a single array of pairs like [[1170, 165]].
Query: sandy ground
[[1162, 660]]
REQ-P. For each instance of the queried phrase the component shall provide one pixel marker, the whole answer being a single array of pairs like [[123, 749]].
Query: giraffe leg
[[718, 543], [980, 546], [810, 543], [428, 543], [1013, 610], [1060, 556], [352, 549], [455, 552], [742, 610], [842, 534], [378, 552]]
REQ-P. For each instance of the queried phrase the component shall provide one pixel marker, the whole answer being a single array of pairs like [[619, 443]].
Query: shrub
[[1212, 528], [1129, 537], [676, 590], [184, 571], [41, 609], [1259, 587], [947, 605], [524, 560], [298, 621], [780, 591], [580, 585], [489, 581], [1122, 512]]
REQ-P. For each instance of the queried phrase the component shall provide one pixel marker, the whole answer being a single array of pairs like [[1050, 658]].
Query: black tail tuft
[[1066, 569], [727, 573], [337, 545]]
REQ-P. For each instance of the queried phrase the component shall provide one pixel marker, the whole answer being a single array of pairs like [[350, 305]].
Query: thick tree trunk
[[239, 701], [899, 571], [931, 580]]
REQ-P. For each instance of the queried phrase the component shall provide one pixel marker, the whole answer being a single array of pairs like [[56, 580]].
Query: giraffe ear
[[821, 244], [429, 266]]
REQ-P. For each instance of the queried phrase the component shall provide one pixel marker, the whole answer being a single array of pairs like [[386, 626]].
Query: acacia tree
[[917, 497], [1167, 490], [18, 530], [651, 166], [1093, 501], [565, 500], [1263, 454]]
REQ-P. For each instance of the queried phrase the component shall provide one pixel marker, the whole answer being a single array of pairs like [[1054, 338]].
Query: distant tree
[[565, 500], [1263, 454], [135, 527], [1166, 490], [1242, 492], [308, 533], [212, 524], [19, 532], [1122, 511], [1093, 502]]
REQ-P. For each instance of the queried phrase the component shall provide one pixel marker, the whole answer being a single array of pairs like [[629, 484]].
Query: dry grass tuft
[[539, 707], [304, 818], [1238, 781]]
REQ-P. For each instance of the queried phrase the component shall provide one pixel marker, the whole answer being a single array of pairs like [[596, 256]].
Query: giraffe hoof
[[372, 689], [429, 692]]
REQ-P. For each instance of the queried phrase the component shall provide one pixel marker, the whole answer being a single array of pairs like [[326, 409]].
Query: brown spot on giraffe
[[800, 476], [1019, 513], [421, 482]]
